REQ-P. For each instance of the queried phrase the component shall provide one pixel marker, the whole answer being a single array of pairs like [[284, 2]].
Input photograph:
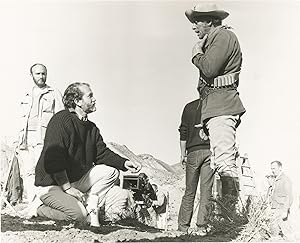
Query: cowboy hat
[[205, 9]]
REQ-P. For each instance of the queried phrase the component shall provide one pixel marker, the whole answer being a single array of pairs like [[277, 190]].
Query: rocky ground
[[170, 178], [17, 229]]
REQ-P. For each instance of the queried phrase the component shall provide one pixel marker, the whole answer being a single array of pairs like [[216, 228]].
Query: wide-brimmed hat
[[205, 9]]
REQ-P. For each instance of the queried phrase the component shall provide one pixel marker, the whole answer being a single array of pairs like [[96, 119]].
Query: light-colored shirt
[[37, 108]]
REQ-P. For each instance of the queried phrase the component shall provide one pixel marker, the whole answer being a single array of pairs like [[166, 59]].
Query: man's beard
[[40, 83]]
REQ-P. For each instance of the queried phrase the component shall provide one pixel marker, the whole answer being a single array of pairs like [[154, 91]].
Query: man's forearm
[[183, 148], [62, 179]]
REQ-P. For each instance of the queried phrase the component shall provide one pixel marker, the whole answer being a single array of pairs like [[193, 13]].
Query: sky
[[136, 55]]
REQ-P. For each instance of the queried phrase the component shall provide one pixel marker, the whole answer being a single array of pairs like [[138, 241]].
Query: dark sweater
[[71, 148], [188, 131]]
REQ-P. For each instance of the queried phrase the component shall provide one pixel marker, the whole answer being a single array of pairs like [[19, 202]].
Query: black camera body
[[131, 182], [143, 192]]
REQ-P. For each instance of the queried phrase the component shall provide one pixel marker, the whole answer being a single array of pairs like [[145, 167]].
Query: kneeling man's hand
[[132, 166], [75, 193]]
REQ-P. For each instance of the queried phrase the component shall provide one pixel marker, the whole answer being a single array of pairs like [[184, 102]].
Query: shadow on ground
[[185, 238], [16, 223]]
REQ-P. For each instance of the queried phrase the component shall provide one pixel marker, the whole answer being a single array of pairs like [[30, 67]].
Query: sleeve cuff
[[61, 177], [123, 168], [183, 137], [197, 55]]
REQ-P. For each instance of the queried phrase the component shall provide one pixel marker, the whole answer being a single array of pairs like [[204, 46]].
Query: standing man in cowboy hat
[[218, 57]]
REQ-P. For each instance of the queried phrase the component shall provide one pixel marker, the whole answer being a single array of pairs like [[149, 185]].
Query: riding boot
[[230, 186]]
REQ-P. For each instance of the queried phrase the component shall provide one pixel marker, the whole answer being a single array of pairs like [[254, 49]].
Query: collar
[[81, 118], [43, 91], [278, 176], [84, 118], [214, 32]]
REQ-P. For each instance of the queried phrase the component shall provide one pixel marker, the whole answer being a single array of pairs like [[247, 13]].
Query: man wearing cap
[[218, 57]]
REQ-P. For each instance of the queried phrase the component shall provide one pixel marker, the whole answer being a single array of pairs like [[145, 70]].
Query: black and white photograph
[[150, 121]]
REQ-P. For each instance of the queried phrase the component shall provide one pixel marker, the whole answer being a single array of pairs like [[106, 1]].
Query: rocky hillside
[[158, 171], [5, 156], [178, 169]]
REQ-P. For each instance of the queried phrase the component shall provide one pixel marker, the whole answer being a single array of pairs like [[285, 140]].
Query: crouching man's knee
[[118, 203], [71, 214], [110, 173], [77, 213]]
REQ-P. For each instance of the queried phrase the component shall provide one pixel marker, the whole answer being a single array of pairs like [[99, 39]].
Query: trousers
[[198, 165], [59, 205], [118, 204], [28, 159], [222, 136]]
